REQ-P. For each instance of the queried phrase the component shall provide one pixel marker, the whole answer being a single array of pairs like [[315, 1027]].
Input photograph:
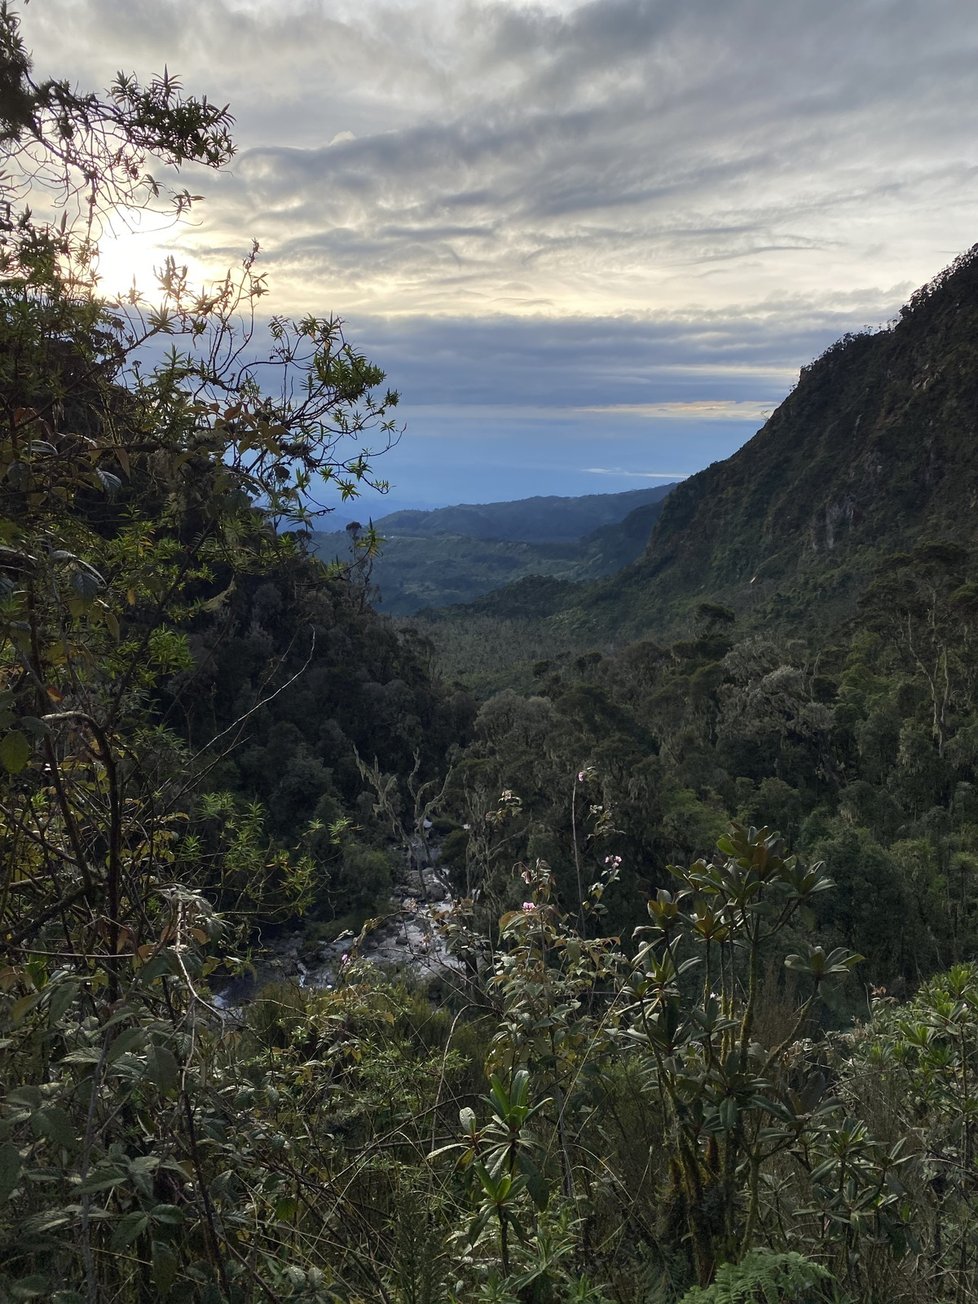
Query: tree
[[132, 499], [728, 1107], [925, 603]]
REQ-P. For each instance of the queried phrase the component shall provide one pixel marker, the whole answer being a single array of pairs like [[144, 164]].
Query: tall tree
[[131, 496]]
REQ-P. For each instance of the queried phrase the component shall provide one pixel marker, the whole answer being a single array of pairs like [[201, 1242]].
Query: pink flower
[[344, 959], [528, 905], [581, 776], [613, 862]]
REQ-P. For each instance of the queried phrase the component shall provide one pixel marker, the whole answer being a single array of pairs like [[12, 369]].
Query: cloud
[[694, 410], [638, 209], [619, 473], [619, 153], [660, 363]]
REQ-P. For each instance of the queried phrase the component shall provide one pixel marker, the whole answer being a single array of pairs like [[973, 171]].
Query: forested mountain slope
[[874, 451]]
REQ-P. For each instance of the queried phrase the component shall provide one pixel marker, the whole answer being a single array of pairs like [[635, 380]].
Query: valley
[[565, 899], [457, 554]]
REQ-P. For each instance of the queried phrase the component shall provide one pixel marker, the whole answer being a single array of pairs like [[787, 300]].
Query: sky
[[591, 244]]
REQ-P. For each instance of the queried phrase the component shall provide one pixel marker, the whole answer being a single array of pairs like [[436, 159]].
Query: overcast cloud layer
[[589, 242]]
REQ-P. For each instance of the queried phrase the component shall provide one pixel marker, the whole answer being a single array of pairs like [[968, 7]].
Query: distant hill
[[423, 564], [526, 520]]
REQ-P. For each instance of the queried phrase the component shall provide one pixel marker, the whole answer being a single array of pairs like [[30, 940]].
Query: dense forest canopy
[[672, 1054]]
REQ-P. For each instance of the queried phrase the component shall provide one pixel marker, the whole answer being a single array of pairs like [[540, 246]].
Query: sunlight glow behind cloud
[[132, 251]]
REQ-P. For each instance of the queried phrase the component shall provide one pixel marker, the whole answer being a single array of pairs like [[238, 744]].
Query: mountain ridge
[[548, 518], [874, 449]]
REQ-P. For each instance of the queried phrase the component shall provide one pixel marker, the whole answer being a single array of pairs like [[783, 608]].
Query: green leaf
[[444, 1150], [9, 1170], [102, 1179], [61, 998], [169, 1215], [728, 1114], [28, 1095], [128, 1228], [160, 965], [536, 1185], [33, 1287], [163, 1068], [479, 1224], [23, 1006], [164, 1268], [47, 1221], [54, 1123], [144, 1164], [126, 1041], [89, 1056], [15, 751]]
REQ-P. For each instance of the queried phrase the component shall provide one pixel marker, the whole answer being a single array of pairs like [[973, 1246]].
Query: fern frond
[[764, 1277]]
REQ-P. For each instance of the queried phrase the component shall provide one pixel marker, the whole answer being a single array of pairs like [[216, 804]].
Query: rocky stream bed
[[409, 938]]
